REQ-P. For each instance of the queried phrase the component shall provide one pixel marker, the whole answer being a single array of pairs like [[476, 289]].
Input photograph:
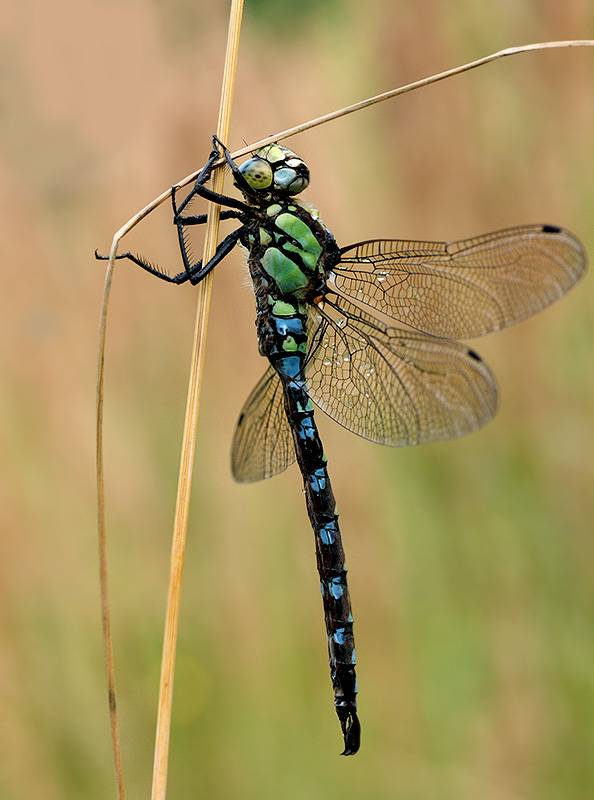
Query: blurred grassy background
[[472, 562]]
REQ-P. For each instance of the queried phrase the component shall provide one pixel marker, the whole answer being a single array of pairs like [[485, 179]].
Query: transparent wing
[[467, 288], [262, 443], [391, 385]]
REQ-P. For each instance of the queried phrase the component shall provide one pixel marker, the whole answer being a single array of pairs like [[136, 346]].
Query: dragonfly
[[370, 334]]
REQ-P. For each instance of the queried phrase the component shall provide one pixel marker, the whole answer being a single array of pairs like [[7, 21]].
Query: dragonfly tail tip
[[351, 731]]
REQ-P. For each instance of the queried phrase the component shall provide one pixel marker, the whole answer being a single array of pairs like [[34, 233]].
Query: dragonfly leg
[[143, 264], [208, 194], [221, 199], [193, 272], [180, 221], [197, 219], [238, 178]]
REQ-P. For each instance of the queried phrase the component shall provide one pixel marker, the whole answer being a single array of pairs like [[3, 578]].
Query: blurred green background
[[471, 563]]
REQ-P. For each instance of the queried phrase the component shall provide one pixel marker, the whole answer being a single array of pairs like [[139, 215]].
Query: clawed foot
[[216, 143], [100, 257], [217, 146]]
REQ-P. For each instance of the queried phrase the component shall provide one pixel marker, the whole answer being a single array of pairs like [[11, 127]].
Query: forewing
[[391, 385], [262, 443], [466, 288]]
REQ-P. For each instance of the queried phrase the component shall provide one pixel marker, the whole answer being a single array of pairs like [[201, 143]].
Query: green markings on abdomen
[[282, 309]]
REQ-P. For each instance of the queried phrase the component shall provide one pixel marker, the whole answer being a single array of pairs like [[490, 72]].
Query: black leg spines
[[174, 190]]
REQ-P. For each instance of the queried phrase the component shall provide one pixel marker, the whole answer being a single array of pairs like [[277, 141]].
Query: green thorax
[[289, 246]]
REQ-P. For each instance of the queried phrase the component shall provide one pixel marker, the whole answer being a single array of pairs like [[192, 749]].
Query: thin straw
[[159, 789], [102, 544], [342, 112]]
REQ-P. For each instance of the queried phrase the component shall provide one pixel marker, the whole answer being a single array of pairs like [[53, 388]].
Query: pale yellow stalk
[[342, 112], [188, 448]]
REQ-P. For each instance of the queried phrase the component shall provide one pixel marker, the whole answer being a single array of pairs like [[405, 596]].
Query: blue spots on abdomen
[[289, 366], [318, 480], [289, 326], [339, 635], [327, 533], [284, 340], [306, 430], [336, 586]]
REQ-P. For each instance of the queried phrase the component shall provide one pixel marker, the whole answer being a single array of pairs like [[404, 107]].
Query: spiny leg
[[181, 220], [198, 219], [198, 272], [154, 269], [194, 273], [208, 194], [141, 262], [238, 178]]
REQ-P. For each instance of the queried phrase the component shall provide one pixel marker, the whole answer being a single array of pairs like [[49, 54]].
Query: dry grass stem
[[342, 112], [102, 542], [159, 789]]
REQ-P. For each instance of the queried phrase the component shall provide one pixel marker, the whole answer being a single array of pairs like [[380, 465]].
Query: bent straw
[[102, 543], [188, 449], [342, 112], [144, 212]]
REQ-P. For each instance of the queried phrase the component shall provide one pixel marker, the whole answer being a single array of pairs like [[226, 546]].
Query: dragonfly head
[[273, 170]]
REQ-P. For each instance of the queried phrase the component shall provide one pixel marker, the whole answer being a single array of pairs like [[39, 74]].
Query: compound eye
[[283, 177], [298, 185], [257, 172], [289, 181]]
